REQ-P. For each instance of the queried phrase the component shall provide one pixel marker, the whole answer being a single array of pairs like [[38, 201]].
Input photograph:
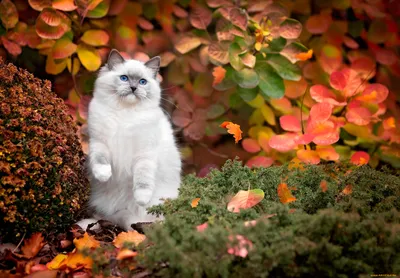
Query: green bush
[[329, 234], [42, 179]]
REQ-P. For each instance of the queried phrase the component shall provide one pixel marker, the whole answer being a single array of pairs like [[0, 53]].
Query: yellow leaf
[[73, 67], [76, 259], [57, 262], [195, 202], [257, 102], [54, 67], [268, 114], [128, 237], [86, 241], [89, 57]]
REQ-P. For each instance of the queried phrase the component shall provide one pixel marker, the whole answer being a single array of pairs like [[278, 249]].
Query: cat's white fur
[[134, 162]]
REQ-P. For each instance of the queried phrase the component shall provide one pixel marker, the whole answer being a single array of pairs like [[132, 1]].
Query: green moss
[[329, 234]]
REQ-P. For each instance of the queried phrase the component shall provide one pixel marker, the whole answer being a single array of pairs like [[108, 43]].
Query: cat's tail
[[84, 224]]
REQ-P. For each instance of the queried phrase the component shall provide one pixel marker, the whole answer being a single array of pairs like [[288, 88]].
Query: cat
[[134, 161]]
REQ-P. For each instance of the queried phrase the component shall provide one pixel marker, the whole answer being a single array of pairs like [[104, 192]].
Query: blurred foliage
[[274, 67], [42, 178]]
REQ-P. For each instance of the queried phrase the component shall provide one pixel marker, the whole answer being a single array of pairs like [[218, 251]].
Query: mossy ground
[[329, 234]]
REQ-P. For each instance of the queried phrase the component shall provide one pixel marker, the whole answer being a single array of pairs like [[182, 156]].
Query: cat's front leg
[[99, 159], [144, 179]]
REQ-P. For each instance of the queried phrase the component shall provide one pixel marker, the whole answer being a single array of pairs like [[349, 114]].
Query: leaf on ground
[[202, 227], [125, 254], [32, 245], [323, 185], [128, 237], [360, 158], [233, 129], [87, 241], [284, 194], [219, 75], [57, 262], [245, 199], [77, 259], [348, 189], [195, 202], [242, 246]]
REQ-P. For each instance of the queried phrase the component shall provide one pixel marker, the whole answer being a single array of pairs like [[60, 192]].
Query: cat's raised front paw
[[142, 196], [102, 172]]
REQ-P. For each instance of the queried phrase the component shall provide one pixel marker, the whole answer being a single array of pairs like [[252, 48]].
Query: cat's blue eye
[[123, 78], [142, 81]]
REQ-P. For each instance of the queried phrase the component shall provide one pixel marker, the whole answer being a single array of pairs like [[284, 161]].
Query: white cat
[[134, 162]]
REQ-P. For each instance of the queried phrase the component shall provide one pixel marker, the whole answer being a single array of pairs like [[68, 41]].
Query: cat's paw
[[142, 196], [102, 172]]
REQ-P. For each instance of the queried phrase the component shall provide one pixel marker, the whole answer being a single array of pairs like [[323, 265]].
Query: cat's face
[[129, 81]]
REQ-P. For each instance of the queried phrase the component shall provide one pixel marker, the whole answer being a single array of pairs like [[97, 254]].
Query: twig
[[213, 152], [19, 243]]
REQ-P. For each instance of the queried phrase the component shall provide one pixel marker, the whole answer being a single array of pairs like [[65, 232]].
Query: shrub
[[325, 232], [42, 179]]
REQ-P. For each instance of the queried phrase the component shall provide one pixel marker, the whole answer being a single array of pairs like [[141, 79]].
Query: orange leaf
[[128, 237], [57, 262], [32, 245], [308, 156], [76, 259], [219, 75], [304, 56], [323, 185], [360, 158], [327, 153], [284, 193], [95, 37], [195, 202], [348, 189], [233, 129], [125, 254], [86, 241], [245, 199]]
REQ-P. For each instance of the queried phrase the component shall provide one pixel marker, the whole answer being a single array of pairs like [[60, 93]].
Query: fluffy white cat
[[134, 162]]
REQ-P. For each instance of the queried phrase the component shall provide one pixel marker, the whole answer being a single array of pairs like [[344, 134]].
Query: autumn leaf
[[308, 156], [245, 199], [186, 44], [242, 246], [128, 237], [202, 227], [77, 259], [284, 193], [360, 158], [251, 145], [323, 185], [87, 241], [219, 75], [95, 37], [233, 129], [57, 262], [290, 123], [348, 189], [8, 14], [304, 56], [125, 254], [89, 57], [32, 245], [195, 202]]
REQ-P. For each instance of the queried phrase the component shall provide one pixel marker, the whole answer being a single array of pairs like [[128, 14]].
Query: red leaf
[[350, 43], [320, 93], [308, 156], [359, 116], [200, 17], [294, 89], [284, 194], [375, 93], [245, 199], [338, 80], [238, 18], [259, 161], [360, 158], [250, 145], [318, 24], [181, 118], [283, 142], [241, 249], [320, 112], [12, 48], [202, 227], [290, 123]]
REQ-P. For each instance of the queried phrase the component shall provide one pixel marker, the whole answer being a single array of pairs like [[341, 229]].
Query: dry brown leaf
[[32, 245]]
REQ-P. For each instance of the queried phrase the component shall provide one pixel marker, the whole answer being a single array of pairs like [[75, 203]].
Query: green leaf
[[234, 58], [276, 45], [246, 78], [215, 110], [100, 11], [235, 101], [284, 67], [271, 84], [247, 94]]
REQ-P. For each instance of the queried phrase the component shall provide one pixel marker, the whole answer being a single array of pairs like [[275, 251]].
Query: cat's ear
[[154, 65], [114, 58]]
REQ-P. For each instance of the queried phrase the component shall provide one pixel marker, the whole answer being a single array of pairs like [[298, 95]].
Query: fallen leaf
[[57, 262], [304, 56], [284, 193], [128, 237], [323, 185], [125, 254], [348, 189], [241, 249], [219, 75], [32, 245], [360, 158], [77, 259], [233, 129], [245, 199], [202, 227], [86, 241], [195, 202]]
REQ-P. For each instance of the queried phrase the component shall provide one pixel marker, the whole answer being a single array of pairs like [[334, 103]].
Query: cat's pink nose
[[133, 89]]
